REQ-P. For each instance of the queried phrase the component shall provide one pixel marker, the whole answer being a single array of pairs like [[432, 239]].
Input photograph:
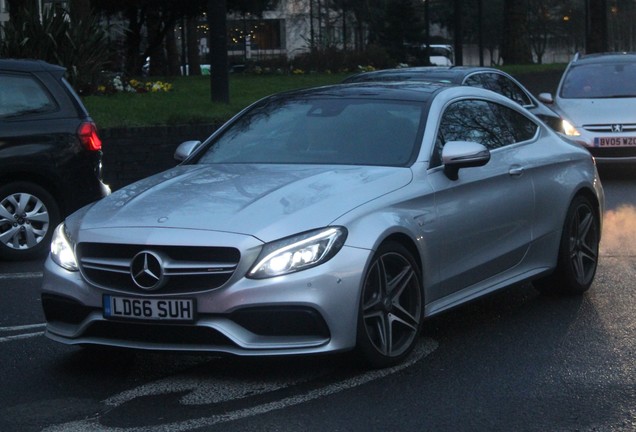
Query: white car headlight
[[569, 129], [298, 252], [62, 249]]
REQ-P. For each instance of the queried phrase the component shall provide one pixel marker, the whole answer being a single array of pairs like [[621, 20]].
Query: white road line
[[21, 336], [424, 348], [28, 275], [22, 327]]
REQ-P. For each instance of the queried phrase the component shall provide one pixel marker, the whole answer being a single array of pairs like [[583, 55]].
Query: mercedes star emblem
[[146, 269]]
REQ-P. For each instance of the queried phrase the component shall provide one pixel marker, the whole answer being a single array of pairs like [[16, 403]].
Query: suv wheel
[[28, 216]]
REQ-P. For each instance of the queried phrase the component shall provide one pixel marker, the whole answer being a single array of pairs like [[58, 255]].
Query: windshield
[[605, 80], [321, 131]]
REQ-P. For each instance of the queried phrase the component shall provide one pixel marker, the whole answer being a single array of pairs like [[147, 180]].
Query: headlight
[[62, 249], [298, 252], [569, 129]]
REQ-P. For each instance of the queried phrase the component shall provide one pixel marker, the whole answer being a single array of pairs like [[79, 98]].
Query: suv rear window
[[23, 95]]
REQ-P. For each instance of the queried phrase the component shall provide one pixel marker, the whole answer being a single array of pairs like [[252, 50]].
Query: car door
[[484, 218]]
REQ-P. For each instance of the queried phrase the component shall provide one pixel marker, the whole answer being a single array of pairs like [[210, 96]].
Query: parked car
[[597, 99], [50, 156], [483, 77], [327, 220]]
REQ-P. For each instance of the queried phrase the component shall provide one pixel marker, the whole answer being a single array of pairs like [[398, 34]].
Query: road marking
[[424, 348], [21, 336], [28, 275], [22, 327]]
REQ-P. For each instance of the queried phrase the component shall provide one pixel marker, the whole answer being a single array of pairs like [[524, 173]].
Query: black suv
[[50, 156]]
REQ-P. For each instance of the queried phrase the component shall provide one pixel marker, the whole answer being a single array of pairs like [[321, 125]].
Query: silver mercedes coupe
[[328, 220]]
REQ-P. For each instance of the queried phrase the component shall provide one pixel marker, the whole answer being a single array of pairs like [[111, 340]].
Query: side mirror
[[463, 154], [546, 98], [185, 149]]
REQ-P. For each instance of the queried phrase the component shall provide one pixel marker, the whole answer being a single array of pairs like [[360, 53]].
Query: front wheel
[[390, 314], [28, 216], [578, 251]]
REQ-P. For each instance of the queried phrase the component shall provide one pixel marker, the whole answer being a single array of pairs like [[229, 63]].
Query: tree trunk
[[219, 74], [192, 37], [458, 32], [172, 54], [134, 60], [515, 48], [156, 44], [596, 26]]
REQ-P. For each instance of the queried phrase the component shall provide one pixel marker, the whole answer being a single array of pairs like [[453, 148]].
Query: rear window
[[23, 95]]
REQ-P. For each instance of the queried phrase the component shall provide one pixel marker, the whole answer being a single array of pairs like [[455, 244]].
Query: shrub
[[82, 47], [335, 60]]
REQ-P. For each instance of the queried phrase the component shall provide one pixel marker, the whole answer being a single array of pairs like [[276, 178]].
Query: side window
[[474, 80], [22, 95], [504, 86], [483, 122]]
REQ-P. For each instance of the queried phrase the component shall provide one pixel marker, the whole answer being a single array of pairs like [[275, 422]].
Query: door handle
[[516, 171]]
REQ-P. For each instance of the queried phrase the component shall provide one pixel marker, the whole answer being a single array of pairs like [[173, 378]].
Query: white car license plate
[[148, 309], [615, 142]]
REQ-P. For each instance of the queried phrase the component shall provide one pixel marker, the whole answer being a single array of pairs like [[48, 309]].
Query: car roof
[[27, 65], [453, 74], [607, 57], [404, 91]]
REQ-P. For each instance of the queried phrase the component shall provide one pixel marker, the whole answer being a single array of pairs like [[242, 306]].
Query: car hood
[[597, 111], [265, 201]]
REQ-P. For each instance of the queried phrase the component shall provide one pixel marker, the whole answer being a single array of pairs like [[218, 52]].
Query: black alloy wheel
[[578, 252], [391, 311]]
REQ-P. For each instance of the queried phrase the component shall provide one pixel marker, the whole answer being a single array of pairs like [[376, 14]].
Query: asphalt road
[[515, 361]]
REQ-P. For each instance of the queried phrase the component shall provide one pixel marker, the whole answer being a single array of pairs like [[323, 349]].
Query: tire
[[28, 217], [391, 307], [578, 251]]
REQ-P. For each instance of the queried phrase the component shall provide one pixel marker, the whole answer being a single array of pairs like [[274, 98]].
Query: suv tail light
[[87, 133]]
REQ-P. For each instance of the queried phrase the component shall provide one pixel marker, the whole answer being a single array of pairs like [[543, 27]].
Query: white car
[[597, 100], [328, 220]]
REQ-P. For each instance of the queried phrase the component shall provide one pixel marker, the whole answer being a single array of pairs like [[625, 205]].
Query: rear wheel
[[390, 314], [578, 251], [28, 216]]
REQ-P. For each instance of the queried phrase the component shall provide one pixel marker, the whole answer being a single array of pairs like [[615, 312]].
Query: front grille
[[608, 128], [185, 268], [612, 152]]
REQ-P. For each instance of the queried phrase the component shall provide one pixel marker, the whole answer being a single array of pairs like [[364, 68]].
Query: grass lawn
[[189, 101]]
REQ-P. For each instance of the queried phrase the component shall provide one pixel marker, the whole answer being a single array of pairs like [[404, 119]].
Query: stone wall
[[131, 154]]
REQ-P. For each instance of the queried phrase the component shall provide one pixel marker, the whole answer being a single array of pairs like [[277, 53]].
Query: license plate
[[148, 309], [615, 142]]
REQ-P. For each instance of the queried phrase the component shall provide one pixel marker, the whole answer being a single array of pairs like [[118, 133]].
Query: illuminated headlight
[[569, 129], [298, 252], [62, 249]]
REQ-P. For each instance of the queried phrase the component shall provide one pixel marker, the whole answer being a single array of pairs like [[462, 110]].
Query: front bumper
[[312, 311]]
